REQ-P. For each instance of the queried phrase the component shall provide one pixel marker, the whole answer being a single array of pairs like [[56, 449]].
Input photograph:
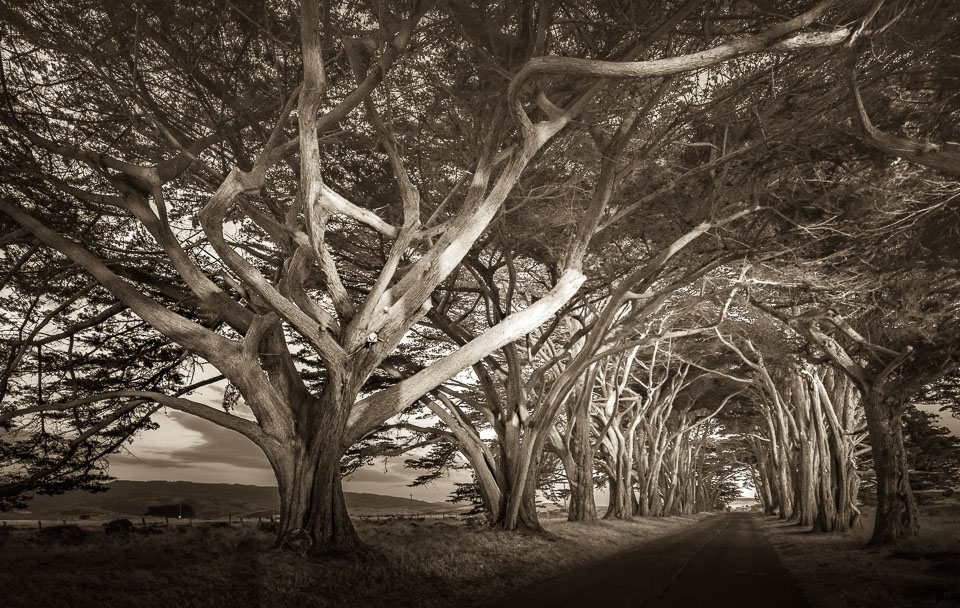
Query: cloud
[[192, 449], [188, 448], [219, 445]]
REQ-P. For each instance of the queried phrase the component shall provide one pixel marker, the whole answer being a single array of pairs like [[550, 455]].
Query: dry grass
[[840, 571], [406, 563]]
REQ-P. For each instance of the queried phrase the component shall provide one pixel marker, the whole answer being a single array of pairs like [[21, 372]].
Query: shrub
[[148, 531], [267, 526], [69, 534], [118, 526]]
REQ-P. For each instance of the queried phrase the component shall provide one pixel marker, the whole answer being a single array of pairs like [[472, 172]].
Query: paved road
[[722, 561]]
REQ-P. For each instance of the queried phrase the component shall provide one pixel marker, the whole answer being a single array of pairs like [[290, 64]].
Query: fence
[[457, 515]]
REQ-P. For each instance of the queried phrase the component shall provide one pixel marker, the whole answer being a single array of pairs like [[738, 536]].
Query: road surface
[[721, 561]]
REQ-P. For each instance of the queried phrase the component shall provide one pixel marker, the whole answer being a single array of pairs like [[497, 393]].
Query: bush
[[267, 526], [69, 534], [118, 526], [148, 531]]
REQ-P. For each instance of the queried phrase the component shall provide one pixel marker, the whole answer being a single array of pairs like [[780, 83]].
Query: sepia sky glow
[[187, 448]]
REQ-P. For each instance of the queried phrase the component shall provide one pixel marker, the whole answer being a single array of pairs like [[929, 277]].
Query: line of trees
[[552, 230]]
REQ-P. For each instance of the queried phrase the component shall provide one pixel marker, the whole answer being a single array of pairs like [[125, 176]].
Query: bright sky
[[187, 448]]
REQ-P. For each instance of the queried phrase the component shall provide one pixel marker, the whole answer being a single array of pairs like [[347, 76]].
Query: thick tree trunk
[[623, 504], [808, 460], [806, 506], [579, 462], [847, 486], [762, 477], [489, 478], [627, 503], [651, 492], [836, 401], [521, 509], [672, 486], [521, 463], [830, 470], [313, 514], [583, 507], [896, 507], [780, 469], [785, 491], [612, 490]]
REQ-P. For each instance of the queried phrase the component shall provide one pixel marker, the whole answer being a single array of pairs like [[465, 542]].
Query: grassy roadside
[[407, 563], [840, 571]]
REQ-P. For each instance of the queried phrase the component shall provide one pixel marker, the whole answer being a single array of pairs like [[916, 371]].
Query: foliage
[[933, 451], [340, 208]]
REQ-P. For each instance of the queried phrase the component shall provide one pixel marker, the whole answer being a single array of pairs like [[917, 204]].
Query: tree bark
[[583, 506], [623, 504], [520, 511], [896, 507], [838, 399], [520, 459], [313, 514]]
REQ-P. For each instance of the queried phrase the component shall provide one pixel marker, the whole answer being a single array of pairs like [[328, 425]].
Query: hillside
[[209, 500]]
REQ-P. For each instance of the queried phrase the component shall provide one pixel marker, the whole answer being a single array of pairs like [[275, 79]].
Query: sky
[[187, 448]]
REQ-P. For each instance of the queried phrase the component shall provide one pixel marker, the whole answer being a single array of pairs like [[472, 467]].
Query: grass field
[[839, 571], [406, 563]]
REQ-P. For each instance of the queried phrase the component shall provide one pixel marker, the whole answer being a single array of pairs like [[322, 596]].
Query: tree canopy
[[336, 209]]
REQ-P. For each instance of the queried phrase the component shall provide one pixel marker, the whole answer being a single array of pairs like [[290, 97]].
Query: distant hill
[[209, 500]]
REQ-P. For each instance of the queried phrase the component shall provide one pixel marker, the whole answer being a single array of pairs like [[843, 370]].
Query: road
[[721, 561]]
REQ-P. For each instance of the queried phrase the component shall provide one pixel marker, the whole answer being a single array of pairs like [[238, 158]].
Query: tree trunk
[[583, 507], [830, 470], [808, 462], [838, 399], [522, 466], [765, 484], [672, 486], [521, 509], [622, 502], [313, 514], [896, 507]]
